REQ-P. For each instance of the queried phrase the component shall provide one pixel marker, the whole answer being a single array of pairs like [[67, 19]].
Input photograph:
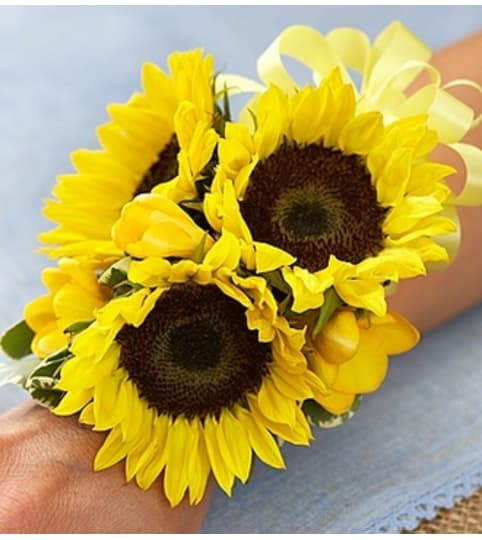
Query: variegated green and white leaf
[[41, 382]]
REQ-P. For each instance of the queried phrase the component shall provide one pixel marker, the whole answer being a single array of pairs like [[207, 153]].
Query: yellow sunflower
[[160, 137], [350, 354], [331, 196], [190, 373], [74, 295]]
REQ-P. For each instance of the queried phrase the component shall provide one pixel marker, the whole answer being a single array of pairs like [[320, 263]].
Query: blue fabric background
[[414, 445]]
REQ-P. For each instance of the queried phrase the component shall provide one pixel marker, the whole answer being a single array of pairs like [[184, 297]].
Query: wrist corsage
[[220, 286]]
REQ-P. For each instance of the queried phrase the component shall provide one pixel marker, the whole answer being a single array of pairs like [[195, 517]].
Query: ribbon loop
[[471, 194], [301, 43]]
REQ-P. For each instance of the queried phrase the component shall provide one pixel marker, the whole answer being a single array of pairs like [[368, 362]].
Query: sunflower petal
[[233, 445], [261, 440], [222, 473]]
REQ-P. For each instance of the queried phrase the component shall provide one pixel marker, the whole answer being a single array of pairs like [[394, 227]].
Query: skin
[[434, 299], [47, 484], [46, 479]]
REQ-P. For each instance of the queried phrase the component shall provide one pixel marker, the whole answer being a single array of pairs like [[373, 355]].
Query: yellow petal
[[339, 339], [51, 339], [326, 371], [365, 293], [140, 451], [87, 415], [336, 402], [261, 440], [362, 133], [149, 272], [307, 288], [395, 333], [180, 441], [111, 452], [199, 467], [152, 462], [226, 252], [308, 107], [299, 433], [270, 257], [233, 445], [274, 405], [72, 402], [222, 473], [154, 226], [341, 113], [291, 385], [393, 181], [366, 370], [132, 424], [39, 312], [107, 409], [405, 215]]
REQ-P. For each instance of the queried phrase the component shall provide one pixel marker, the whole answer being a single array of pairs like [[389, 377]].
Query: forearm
[[431, 300], [47, 484]]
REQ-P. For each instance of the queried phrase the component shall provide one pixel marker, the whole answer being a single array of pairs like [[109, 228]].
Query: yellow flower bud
[[339, 340], [154, 226]]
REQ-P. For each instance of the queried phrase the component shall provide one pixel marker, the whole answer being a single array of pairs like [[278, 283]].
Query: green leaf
[[113, 277], [48, 374], [77, 327], [47, 397], [63, 354], [330, 305], [275, 278], [17, 341], [116, 274], [126, 289], [320, 417], [116, 278], [49, 368], [42, 380], [198, 253], [191, 205], [226, 106], [254, 119]]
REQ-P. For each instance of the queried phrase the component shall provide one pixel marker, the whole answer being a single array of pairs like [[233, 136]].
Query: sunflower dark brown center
[[163, 170], [194, 354], [312, 202]]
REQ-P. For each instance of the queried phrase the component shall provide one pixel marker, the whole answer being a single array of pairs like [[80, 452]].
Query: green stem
[[331, 303]]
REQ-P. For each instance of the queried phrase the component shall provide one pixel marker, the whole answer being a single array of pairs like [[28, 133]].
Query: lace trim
[[427, 505]]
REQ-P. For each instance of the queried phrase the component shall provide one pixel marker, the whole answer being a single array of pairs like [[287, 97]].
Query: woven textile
[[464, 517]]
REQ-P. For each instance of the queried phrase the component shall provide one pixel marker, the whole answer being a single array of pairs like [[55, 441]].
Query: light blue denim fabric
[[415, 444]]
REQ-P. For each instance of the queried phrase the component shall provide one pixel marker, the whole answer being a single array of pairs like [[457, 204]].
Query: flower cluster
[[221, 285]]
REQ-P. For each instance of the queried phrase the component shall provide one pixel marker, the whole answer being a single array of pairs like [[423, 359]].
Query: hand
[[47, 484]]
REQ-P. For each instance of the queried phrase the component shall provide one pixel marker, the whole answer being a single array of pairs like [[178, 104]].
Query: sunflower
[[190, 375], [331, 196], [74, 295], [160, 137], [350, 354]]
